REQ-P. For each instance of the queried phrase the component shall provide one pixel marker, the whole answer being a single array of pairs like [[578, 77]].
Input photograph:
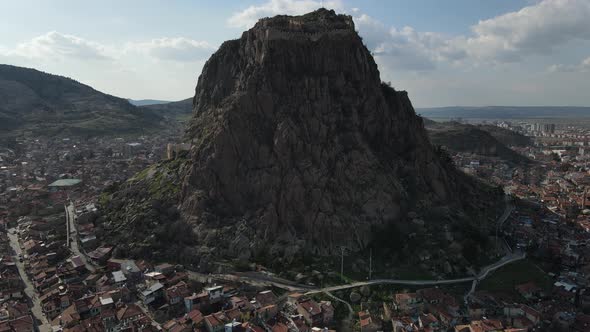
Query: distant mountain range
[[45, 104], [147, 102], [505, 112], [180, 110]]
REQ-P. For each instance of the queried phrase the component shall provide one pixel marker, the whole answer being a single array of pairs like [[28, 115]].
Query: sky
[[444, 53]]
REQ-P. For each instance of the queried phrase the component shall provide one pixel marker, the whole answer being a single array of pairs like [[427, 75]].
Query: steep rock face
[[299, 147]]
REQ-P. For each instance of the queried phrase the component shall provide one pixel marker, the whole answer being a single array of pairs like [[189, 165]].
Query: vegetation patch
[[506, 278]]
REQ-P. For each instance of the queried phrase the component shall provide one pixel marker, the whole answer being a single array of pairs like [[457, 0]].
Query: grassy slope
[[507, 277], [178, 110], [467, 138], [507, 137], [140, 216]]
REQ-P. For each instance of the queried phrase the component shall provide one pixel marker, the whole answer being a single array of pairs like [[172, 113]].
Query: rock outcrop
[[298, 147]]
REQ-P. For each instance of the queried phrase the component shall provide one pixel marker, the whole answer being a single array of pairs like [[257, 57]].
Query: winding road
[[482, 275], [504, 261], [265, 279], [269, 280], [262, 280]]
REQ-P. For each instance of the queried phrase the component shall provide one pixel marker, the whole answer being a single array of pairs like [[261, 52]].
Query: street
[[36, 310], [73, 239]]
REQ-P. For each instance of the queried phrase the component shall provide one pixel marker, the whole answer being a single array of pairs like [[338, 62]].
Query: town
[[57, 276], [295, 166]]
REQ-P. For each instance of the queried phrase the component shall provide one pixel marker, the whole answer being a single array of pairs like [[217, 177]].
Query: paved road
[[71, 227], [393, 282], [36, 310], [510, 255], [347, 323], [251, 278], [269, 280], [148, 312], [505, 260], [502, 220], [491, 268], [482, 275], [508, 258], [261, 279], [507, 212]]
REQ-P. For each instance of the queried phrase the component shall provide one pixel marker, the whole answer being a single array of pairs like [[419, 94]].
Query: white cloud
[[583, 66], [173, 49], [247, 17], [127, 67], [537, 29], [406, 48], [59, 46], [403, 49]]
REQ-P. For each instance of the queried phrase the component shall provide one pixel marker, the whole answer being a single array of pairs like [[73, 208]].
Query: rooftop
[[65, 183]]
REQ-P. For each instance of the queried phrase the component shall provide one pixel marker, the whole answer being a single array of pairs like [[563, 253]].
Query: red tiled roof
[[131, 310], [195, 316]]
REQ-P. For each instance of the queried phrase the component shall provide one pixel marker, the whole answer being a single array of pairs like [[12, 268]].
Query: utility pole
[[342, 263], [497, 229], [370, 263], [67, 225]]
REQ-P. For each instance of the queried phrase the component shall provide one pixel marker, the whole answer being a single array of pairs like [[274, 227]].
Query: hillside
[[147, 102], [146, 206], [506, 136], [44, 104], [177, 110], [479, 140]]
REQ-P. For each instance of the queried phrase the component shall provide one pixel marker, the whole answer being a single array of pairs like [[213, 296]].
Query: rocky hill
[[299, 149], [45, 104], [476, 139]]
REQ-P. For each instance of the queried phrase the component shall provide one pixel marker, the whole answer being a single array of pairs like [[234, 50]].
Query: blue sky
[[452, 52]]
